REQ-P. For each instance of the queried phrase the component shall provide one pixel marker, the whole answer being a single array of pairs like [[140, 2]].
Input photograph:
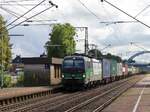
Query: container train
[[84, 71]]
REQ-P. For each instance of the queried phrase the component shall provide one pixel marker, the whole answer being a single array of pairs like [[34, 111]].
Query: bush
[[7, 80], [20, 80]]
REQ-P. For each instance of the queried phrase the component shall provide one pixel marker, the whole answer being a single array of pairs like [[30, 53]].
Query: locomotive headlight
[[83, 76]]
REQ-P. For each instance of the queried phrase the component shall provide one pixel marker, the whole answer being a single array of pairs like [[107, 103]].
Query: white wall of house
[[55, 75]]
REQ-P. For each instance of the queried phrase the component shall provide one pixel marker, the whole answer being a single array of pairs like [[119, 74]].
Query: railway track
[[71, 101], [52, 97], [98, 102], [82, 104]]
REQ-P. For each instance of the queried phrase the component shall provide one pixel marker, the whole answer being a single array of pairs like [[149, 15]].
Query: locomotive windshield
[[78, 64], [73, 65], [68, 63]]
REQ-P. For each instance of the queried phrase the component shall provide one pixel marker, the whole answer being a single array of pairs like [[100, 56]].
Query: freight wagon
[[106, 70], [119, 71], [113, 69], [84, 71], [125, 70]]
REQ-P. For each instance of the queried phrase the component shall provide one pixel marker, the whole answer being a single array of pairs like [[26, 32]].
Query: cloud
[[72, 11]]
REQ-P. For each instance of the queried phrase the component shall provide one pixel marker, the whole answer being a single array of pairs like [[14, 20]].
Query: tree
[[20, 79], [5, 47], [61, 41], [95, 53], [110, 56], [118, 59], [7, 81]]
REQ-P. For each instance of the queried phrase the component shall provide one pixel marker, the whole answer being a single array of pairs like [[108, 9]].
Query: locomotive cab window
[[73, 65], [68, 63], [79, 63]]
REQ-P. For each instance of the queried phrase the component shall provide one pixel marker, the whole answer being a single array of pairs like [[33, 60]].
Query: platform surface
[[6, 93], [136, 99]]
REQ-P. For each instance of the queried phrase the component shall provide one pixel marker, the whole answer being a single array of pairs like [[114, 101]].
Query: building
[[17, 66], [41, 71]]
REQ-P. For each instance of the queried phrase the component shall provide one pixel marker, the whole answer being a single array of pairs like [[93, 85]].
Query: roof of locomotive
[[80, 57], [75, 57]]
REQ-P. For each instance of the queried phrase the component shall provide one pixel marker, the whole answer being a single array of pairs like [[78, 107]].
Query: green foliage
[[61, 35], [118, 59], [5, 47], [7, 80], [110, 56], [95, 53], [20, 80]]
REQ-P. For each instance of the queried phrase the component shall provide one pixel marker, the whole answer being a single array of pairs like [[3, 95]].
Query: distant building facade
[[40, 71], [17, 65]]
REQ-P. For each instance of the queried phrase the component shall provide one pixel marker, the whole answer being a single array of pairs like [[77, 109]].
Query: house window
[[56, 71], [47, 66]]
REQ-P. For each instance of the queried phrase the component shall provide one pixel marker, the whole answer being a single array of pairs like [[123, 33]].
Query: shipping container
[[97, 70], [125, 69], [135, 70], [130, 70], [113, 68], [106, 68]]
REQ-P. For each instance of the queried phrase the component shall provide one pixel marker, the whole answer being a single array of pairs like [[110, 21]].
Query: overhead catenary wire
[[116, 36], [16, 4], [18, 1], [33, 16], [142, 11], [126, 13], [113, 22], [9, 11], [133, 43], [116, 22], [24, 8], [42, 16], [109, 45], [107, 12], [17, 15], [39, 24], [88, 9], [41, 20], [26, 12]]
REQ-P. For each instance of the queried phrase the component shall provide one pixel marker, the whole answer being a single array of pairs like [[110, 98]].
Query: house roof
[[37, 60], [17, 60]]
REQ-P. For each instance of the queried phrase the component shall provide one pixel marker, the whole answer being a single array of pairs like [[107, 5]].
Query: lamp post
[[2, 75], [2, 65]]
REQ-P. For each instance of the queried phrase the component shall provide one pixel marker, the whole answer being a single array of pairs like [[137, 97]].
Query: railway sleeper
[[13, 100]]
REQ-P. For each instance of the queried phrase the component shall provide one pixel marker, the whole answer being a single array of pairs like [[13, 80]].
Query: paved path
[[20, 91], [136, 99]]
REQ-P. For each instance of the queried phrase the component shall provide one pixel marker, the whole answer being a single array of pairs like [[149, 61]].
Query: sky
[[125, 38]]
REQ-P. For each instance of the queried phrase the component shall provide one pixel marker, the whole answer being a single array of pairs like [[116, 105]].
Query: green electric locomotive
[[80, 71]]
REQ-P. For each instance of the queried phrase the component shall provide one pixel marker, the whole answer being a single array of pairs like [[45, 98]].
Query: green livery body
[[75, 74]]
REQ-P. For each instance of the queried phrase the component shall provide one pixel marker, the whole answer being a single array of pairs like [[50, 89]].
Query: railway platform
[[135, 99], [9, 95]]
